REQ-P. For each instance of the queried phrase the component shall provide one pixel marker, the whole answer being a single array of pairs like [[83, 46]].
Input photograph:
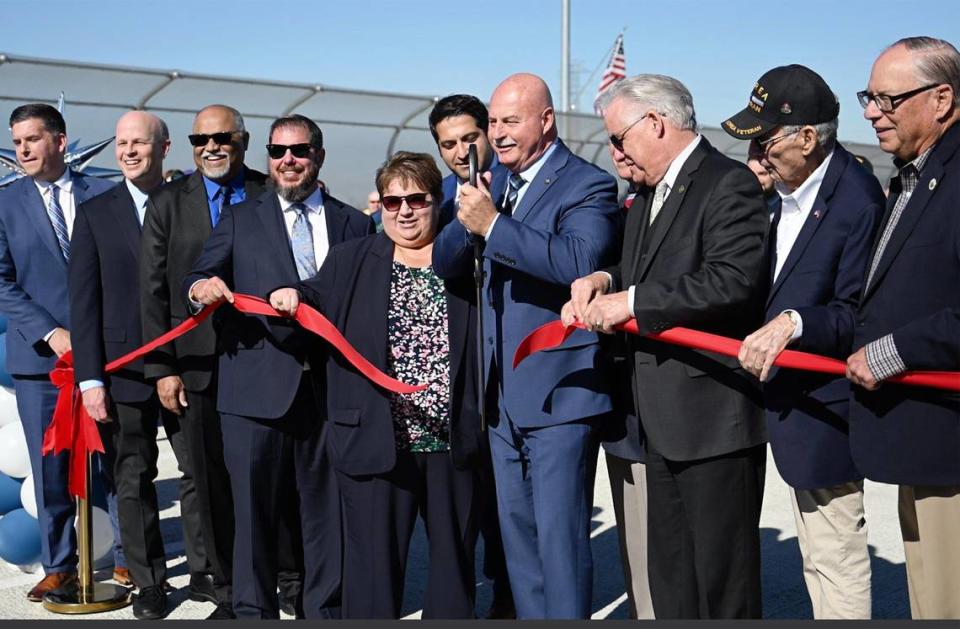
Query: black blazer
[[910, 435], [104, 296], [176, 225], [261, 359], [703, 266], [821, 279], [352, 289]]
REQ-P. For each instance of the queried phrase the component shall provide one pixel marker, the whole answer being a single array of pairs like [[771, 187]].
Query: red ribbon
[[73, 429], [554, 333]]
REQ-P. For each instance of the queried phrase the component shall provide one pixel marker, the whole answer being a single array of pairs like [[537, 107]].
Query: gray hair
[[936, 60], [665, 94], [826, 132]]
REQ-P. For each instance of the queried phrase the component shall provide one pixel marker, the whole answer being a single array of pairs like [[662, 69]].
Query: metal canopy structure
[[361, 127]]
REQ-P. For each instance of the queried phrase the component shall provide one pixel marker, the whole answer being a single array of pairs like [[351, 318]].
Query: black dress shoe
[[224, 611], [150, 603], [288, 605], [202, 589]]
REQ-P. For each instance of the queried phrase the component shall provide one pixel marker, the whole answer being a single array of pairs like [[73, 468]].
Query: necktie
[[302, 237], [659, 196], [55, 212], [513, 190], [224, 196]]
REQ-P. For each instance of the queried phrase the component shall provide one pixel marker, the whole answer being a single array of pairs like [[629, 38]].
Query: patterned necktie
[[55, 212], [659, 196], [302, 237], [513, 190], [224, 196]]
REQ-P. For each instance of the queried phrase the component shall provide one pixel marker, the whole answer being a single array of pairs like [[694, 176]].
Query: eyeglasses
[[219, 138], [416, 201], [616, 140], [764, 145], [277, 151], [888, 102]]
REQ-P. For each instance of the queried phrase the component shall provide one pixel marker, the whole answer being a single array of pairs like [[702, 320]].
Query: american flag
[[616, 70]]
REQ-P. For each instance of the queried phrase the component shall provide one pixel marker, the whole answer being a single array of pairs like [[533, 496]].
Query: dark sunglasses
[[616, 139], [416, 201], [277, 151], [202, 139]]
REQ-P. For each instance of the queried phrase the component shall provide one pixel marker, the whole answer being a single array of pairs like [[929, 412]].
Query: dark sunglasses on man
[[277, 151], [416, 201], [219, 138]]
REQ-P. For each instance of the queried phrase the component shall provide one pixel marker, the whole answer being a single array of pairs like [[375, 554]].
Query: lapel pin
[[546, 181], [933, 184], [681, 188], [816, 214]]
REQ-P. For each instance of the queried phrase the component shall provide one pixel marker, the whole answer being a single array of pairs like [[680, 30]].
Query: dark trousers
[[704, 538], [494, 563], [274, 463], [135, 470], [379, 517]]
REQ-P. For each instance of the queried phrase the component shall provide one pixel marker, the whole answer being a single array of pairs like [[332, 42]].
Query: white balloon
[[8, 407], [28, 497], [14, 458], [102, 534]]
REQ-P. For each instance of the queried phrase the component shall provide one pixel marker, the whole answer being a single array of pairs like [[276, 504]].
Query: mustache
[[503, 143], [207, 153]]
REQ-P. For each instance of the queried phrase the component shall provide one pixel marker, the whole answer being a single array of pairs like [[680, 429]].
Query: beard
[[217, 171], [298, 192]]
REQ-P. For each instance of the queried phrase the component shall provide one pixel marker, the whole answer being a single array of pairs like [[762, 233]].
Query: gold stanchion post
[[86, 596]]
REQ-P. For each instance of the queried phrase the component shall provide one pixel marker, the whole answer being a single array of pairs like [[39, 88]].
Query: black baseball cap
[[788, 95]]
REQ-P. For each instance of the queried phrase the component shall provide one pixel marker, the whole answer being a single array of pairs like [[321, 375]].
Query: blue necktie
[[302, 237], [55, 212], [224, 195], [513, 191]]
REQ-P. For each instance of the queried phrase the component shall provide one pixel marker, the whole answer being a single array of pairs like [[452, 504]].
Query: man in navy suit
[[558, 220], [821, 234], [105, 307], [270, 390], [36, 221], [909, 315], [457, 122]]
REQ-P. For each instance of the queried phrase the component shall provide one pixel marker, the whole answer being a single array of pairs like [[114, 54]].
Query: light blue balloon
[[19, 538], [9, 494], [5, 378], [3, 324]]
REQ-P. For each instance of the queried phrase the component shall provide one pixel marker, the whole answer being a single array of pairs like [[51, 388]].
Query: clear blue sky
[[718, 48]]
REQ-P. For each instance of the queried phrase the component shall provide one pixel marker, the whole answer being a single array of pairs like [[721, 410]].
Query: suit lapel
[[919, 200], [335, 216], [838, 164], [377, 298], [637, 223], [275, 231], [125, 214], [671, 207], [37, 211], [196, 213], [545, 178]]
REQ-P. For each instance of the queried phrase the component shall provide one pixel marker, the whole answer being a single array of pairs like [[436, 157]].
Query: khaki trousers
[[628, 485], [930, 524], [832, 533]]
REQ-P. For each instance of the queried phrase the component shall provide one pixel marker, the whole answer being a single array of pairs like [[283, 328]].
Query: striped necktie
[[302, 238], [513, 191], [55, 212]]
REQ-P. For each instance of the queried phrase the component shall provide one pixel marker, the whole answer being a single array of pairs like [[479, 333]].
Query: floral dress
[[418, 352]]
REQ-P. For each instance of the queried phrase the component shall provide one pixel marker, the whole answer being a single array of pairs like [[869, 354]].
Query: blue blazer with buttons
[[33, 273], [566, 226], [821, 279]]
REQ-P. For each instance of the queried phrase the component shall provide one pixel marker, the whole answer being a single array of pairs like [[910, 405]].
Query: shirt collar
[[670, 177], [806, 193], [918, 162], [314, 202], [64, 182], [139, 197], [531, 172], [213, 187]]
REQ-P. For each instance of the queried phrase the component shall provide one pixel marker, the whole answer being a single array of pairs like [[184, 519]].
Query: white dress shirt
[[139, 199], [528, 175], [67, 204], [669, 178], [318, 223]]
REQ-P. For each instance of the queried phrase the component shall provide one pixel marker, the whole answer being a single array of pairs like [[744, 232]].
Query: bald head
[[142, 141], [522, 123]]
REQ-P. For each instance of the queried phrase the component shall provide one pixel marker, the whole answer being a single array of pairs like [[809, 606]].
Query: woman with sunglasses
[[400, 455]]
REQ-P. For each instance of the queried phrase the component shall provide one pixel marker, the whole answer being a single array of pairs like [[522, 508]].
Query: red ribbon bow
[[73, 429], [554, 333]]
